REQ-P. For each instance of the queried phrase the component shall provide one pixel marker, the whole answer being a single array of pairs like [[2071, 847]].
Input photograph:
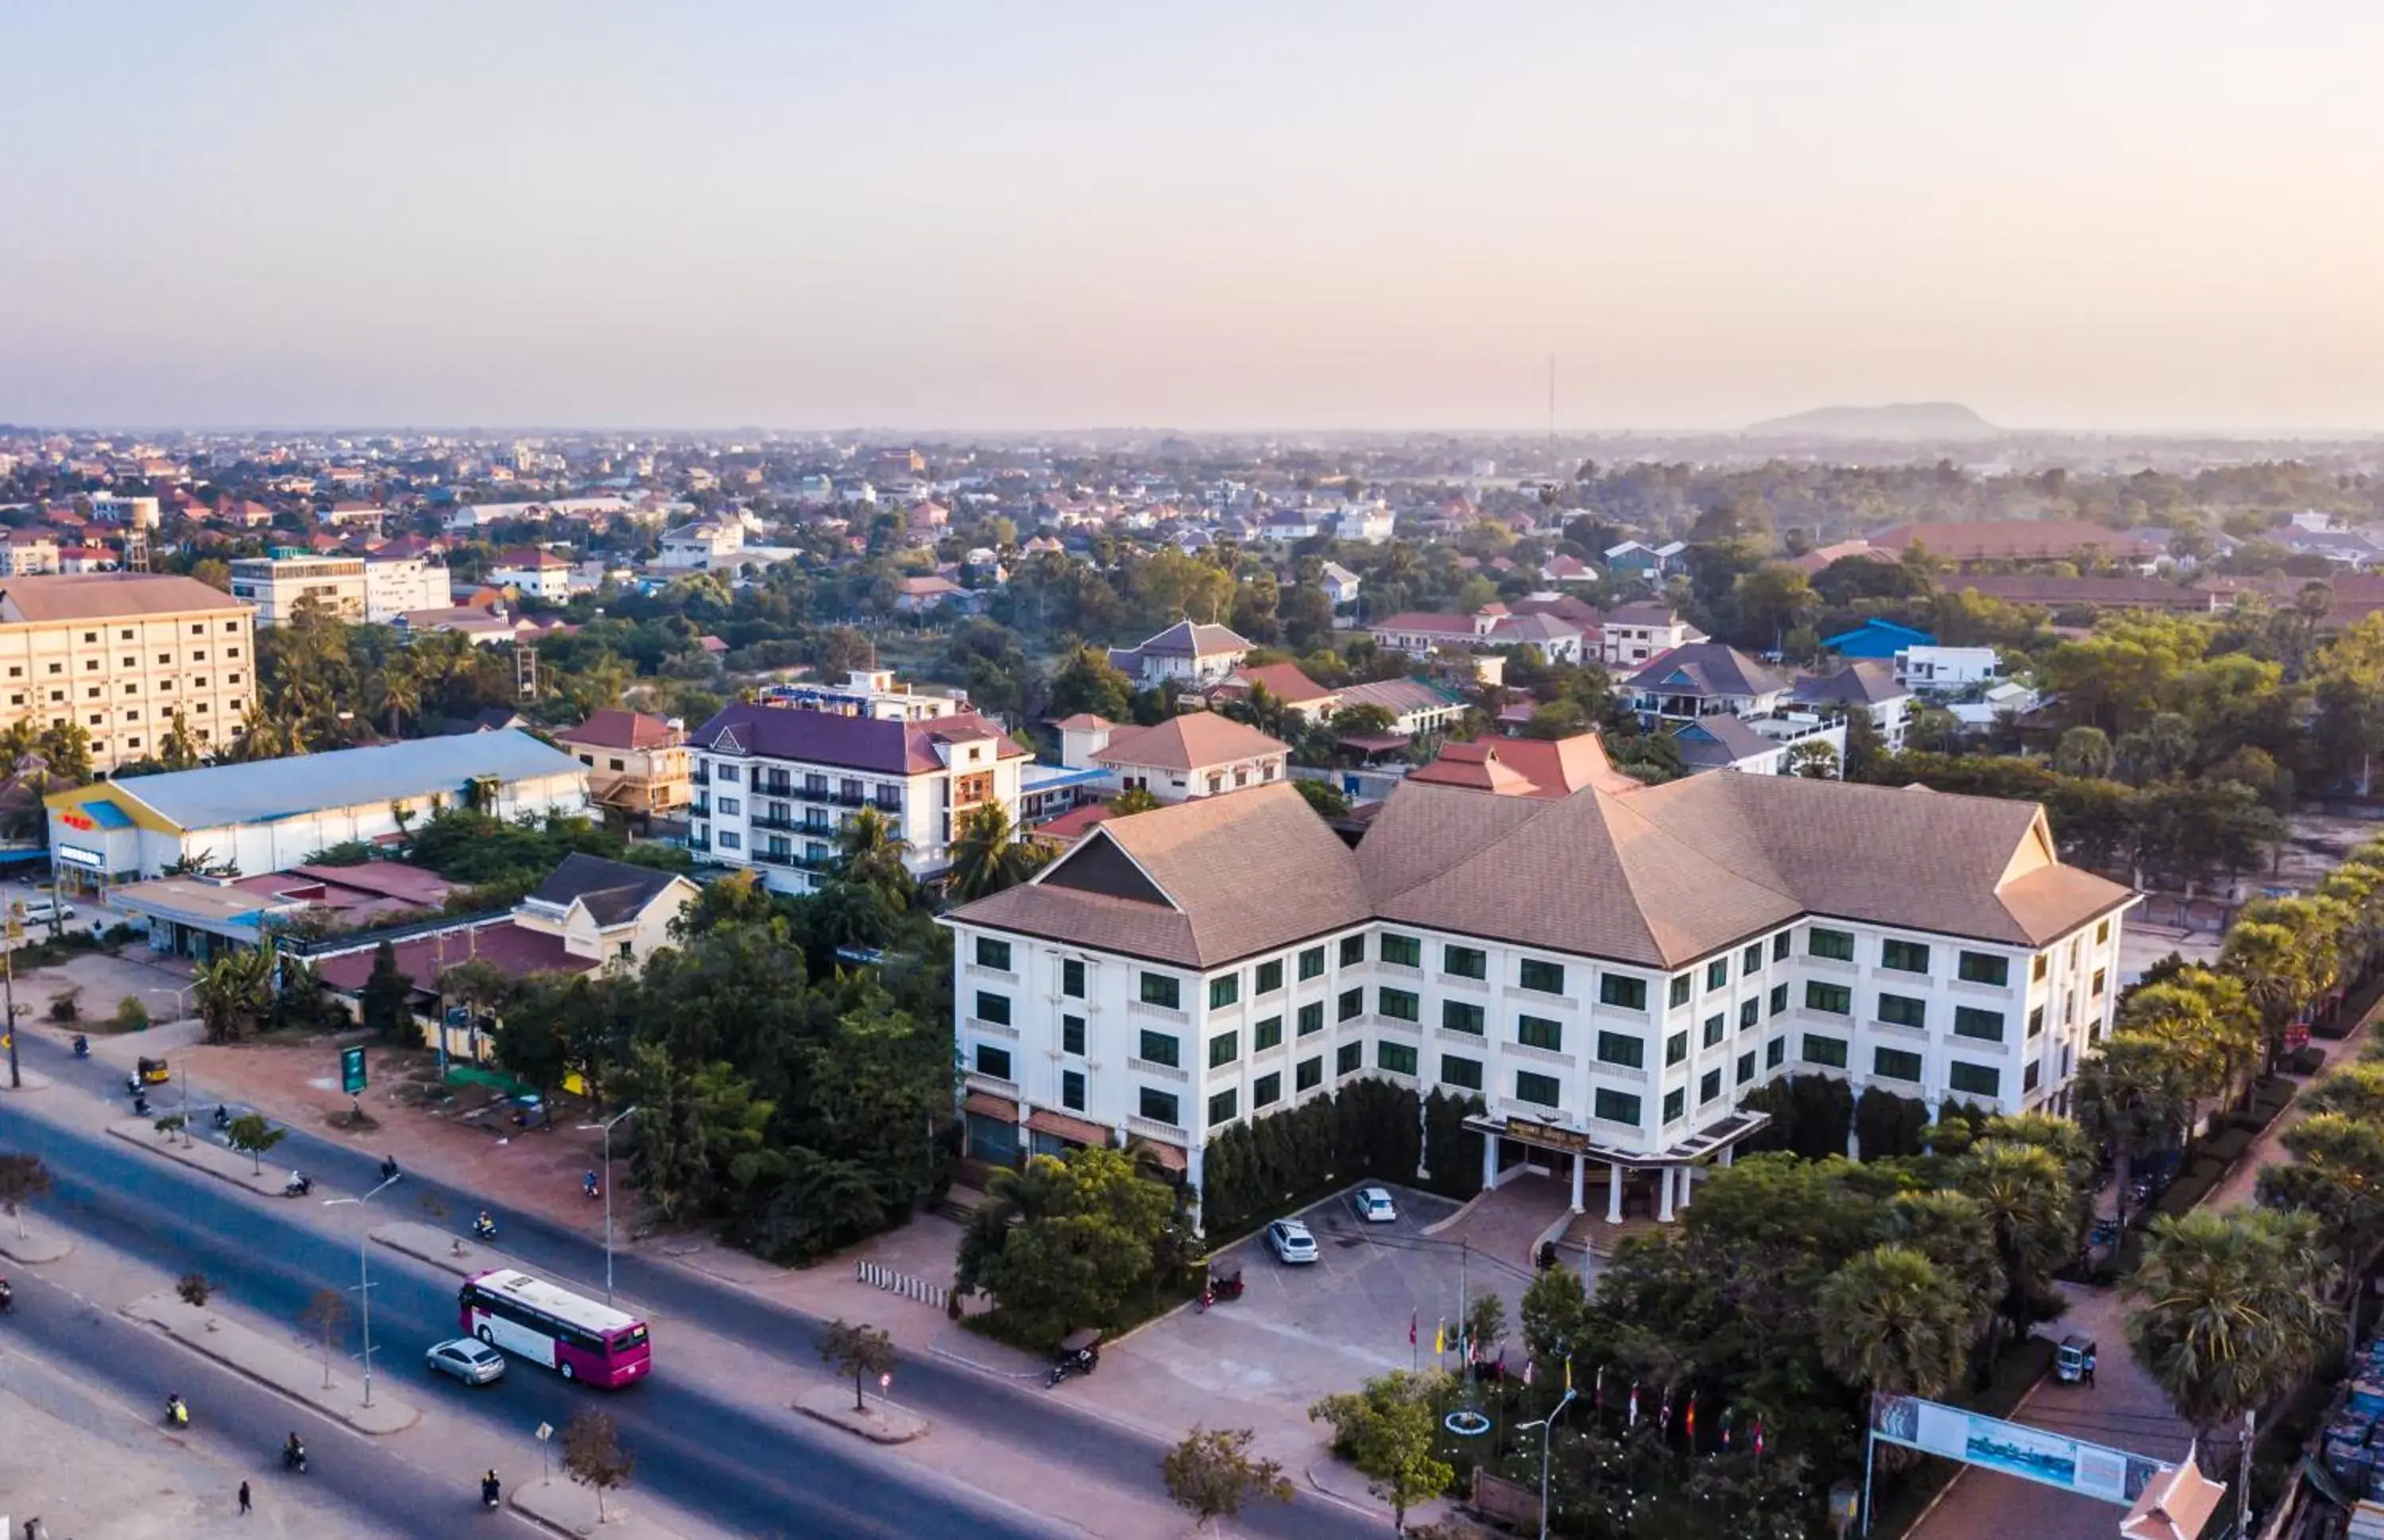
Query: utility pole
[[2243, 1474], [9, 982]]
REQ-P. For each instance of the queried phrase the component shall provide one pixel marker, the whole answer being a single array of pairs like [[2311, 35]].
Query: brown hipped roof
[[613, 728], [106, 595], [1527, 767], [1188, 742]]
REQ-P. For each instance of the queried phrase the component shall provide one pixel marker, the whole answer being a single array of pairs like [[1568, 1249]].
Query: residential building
[[1526, 767], [1946, 670], [1340, 584], [775, 785], [637, 763], [132, 513], [1871, 685], [536, 573], [1175, 972], [123, 654], [612, 913], [276, 585], [1701, 679], [1198, 753], [1193, 654], [29, 553], [88, 558], [702, 545], [203, 916], [913, 595], [268, 816], [1653, 563], [1632, 633], [399, 585], [1423, 633], [2019, 539], [1416, 707], [869, 692]]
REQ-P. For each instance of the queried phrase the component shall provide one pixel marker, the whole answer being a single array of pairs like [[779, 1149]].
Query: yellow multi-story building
[[122, 653]]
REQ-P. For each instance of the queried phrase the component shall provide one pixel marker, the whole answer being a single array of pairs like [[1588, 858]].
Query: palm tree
[[2034, 1213], [986, 857], [2135, 1093], [2356, 1090], [1892, 1319], [2232, 1310], [871, 853], [399, 687], [2337, 1173], [232, 991]]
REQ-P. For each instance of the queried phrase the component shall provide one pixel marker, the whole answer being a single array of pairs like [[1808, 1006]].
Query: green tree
[[2035, 1214], [871, 855], [1813, 759], [861, 1353], [1060, 1243], [22, 1179], [387, 998], [1088, 682], [2135, 1093], [1389, 1432], [180, 747], [987, 855], [1211, 1475], [2230, 1309], [2083, 752], [1555, 1315], [2337, 1175], [1891, 1321], [252, 1135], [592, 1455], [1327, 799], [699, 1134], [234, 992], [1134, 799]]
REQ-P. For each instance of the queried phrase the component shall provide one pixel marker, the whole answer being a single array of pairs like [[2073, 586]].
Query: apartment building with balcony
[[1612, 972], [775, 785], [637, 764], [123, 654]]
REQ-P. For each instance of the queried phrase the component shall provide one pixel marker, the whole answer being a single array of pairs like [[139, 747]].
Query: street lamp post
[[363, 1276], [184, 1074], [606, 1127], [1547, 1425]]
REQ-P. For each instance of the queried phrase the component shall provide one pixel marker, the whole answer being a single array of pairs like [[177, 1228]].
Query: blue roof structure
[[1877, 639], [264, 790]]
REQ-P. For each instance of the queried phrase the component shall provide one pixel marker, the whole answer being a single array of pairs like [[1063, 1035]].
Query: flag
[[1597, 1391], [1729, 1416], [1632, 1420], [1412, 1323], [1440, 1336], [1693, 1421], [1501, 1361], [1527, 1373], [1664, 1413], [1759, 1438]]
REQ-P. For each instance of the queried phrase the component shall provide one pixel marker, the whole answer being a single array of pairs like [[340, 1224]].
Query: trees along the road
[[861, 1353], [1211, 1475], [22, 1179], [1387, 1431], [2035, 1214], [2336, 1174], [2135, 1092], [2230, 1309], [1063, 1243], [234, 992], [592, 1455], [252, 1135]]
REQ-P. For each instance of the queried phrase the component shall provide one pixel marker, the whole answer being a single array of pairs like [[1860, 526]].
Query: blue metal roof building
[[1877, 639]]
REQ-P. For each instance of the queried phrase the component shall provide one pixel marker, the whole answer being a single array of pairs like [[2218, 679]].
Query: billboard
[[2090, 1470]]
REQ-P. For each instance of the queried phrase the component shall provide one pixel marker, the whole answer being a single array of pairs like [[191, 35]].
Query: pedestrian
[[244, 1496], [2089, 1370]]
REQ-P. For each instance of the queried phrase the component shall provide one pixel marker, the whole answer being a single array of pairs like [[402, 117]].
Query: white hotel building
[[1611, 971]]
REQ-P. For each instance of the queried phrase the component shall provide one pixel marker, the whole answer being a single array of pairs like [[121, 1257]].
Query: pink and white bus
[[577, 1339]]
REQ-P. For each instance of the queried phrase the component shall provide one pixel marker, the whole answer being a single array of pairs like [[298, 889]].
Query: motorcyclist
[[490, 1491], [589, 1185], [293, 1454], [223, 1115], [7, 1295], [299, 1184], [485, 1226], [177, 1412], [389, 1168], [81, 1046], [140, 1104]]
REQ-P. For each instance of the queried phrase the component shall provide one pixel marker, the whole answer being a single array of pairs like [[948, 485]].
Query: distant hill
[[1919, 419]]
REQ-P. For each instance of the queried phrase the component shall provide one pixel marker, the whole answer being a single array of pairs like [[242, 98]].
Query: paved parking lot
[[1301, 1333]]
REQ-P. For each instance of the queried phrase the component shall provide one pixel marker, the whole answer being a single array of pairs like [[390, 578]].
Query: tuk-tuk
[[1080, 1353], [152, 1072], [2074, 1359]]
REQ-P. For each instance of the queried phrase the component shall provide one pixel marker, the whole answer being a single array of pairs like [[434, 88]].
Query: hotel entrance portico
[[1510, 1143]]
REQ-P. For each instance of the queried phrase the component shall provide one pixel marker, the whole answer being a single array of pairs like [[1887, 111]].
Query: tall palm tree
[[2135, 1093], [872, 855], [986, 857], [2232, 1310], [1891, 1320], [2033, 1212], [2356, 1090]]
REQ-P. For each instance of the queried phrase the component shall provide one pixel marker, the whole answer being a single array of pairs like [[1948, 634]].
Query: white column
[[1688, 1186], [1613, 1194], [1489, 1161], [1578, 1164], [1727, 1151], [1664, 1209]]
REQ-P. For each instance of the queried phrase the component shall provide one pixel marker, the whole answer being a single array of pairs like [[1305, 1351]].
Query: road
[[700, 1451]]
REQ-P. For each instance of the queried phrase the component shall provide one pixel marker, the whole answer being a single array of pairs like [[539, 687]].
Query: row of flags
[[1471, 1352]]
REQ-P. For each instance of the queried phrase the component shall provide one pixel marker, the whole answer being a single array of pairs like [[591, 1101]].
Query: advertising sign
[[75, 855], [2089, 1469], [352, 1070]]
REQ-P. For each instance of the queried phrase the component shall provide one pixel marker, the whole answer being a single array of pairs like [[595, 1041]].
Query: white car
[[42, 912], [1374, 1206], [1290, 1242], [472, 1362]]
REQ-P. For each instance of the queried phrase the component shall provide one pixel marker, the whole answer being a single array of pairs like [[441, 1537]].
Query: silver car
[[1373, 1205], [472, 1362], [1290, 1241]]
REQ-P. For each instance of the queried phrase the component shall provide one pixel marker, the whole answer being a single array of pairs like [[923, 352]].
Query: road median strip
[[258, 1357], [200, 1154], [568, 1508], [882, 1423]]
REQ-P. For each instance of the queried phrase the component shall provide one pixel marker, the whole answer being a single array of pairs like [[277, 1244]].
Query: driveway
[[1298, 1334]]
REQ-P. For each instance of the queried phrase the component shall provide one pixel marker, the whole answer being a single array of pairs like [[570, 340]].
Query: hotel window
[[1223, 1048], [1400, 1005], [2038, 971], [1836, 945], [1157, 1047], [2036, 1021], [1266, 1035], [1895, 1064], [993, 954], [1455, 1071], [1836, 1000], [1750, 961], [725, 772], [1465, 962], [1353, 950], [1220, 1107], [730, 806], [1604, 1105], [1308, 1074], [1311, 1018], [1547, 978], [1676, 1047], [1266, 1090], [992, 1061], [1971, 1022], [1780, 947], [1616, 989], [1405, 950], [1311, 962], [1718, 973], [1620, 1048], [2028, 1076], [1905, 957], [1676, 1105], [1974, 1079], [1162, 991], [993, 1008], [1831, 1051], [1158, 1106], [1541, 1090], [1349, 1058], [1398, 1058], [731, 840], [1749, 1010], [1903, 1011], [1072, 1036], [1351, 1004], [1717, 1027], [1775, 1053], [1224, 991], [1978, 968], [1269, 980], [1778, 999], [1072, 978], [1458, 1016], [1541, 1033], [1678, 992], [1746, 1066], [1072, 1090], [2095, 989], [2102, 932]]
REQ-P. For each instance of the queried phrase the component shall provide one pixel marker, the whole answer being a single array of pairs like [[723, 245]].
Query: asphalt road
[[228, 1411], [750, 1474], [1039, 1423]]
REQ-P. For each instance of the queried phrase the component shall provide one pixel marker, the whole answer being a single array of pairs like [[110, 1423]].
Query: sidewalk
[[40, 1242], [202, 1153], [271, 1363], [564, 1506]]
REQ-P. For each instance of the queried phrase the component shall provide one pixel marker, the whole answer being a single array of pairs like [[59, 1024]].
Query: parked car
[[42, 912], [472, 1362], [1373, 1205], [1290, 1242]]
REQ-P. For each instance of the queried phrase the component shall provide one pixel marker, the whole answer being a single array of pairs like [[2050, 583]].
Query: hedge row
[[1364, 1129]]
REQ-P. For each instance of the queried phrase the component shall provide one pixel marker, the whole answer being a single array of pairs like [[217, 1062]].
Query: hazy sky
[[1286, 213]]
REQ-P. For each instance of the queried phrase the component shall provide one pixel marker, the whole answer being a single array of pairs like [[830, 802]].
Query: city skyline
[[948, 220]]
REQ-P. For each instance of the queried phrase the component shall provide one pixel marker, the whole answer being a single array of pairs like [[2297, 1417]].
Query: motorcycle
[[177, 1412], [591, 1186], [294, 1457], [1229, 1286], [7, 1298], [389, 1168], [223, 1116], [81, 1046], [485, 1228], [1080, 1353], [491, 1494], [140, 1104], [299, 1184]]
